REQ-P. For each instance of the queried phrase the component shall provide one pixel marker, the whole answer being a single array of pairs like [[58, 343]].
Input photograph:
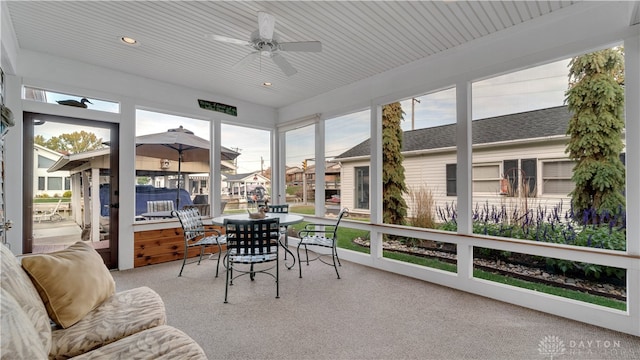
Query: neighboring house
[[506, 149], [331, 179], [293, 175], [238, 185], [49, 183]]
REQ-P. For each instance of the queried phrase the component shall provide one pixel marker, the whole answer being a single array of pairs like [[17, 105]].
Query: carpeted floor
[[368, 314]]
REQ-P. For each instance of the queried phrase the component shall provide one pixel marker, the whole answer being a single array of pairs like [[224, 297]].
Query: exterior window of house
[[513, 170], [362, 187], [486, 178], [451, 180], [556, 177], [41, 183], [67, 183], [530, 169], [54, 183], [44, 163]]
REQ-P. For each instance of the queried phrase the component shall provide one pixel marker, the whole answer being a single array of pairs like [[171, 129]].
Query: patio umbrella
[[179, 145]]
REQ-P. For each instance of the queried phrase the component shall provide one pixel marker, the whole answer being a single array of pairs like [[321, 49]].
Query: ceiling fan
[[264, 42]]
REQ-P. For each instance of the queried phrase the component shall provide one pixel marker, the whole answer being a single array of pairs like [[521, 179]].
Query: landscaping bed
[[522, 267]]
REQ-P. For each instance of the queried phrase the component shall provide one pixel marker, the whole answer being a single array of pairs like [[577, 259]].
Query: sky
[[526, 90]]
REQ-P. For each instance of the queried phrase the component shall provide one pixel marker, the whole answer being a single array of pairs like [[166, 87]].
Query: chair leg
[[299, 261], [334, 255], [278, 277], [226, 286], [286, 241], [219, 255], [184, 260], [201, 253]]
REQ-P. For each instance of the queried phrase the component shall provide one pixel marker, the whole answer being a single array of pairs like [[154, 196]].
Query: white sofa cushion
[[158, 343], [17, 283], [19, 337], [123, 314]]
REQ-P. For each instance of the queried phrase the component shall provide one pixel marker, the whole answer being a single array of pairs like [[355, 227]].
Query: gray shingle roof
[[526, 125]]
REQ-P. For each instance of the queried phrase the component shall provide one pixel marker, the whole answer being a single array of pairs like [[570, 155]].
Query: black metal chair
[[195, 235], [251, 242], [281, 209], [321, 235]]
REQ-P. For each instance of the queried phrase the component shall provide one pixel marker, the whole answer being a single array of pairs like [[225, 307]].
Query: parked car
[[335, 199]]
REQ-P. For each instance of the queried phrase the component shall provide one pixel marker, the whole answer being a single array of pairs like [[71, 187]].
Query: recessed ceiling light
[[129, 41], [266, 83]]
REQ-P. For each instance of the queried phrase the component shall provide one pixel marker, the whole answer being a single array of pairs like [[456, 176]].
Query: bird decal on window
[[82, 103]]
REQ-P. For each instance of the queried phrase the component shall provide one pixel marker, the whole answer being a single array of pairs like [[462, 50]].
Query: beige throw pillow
[[71, 282]]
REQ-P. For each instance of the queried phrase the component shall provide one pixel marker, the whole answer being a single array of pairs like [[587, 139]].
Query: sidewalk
[[51, 236]]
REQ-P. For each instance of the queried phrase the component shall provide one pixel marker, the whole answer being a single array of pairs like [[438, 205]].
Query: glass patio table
[[285, 219]]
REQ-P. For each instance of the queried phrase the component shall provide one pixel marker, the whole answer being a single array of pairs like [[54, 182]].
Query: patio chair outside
[[322, 236], [249, 243], [159, 205], [195, 235], [50, 215]]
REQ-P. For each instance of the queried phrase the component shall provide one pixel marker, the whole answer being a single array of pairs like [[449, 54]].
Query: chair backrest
[[252, 237], [55, 209], [343, 212], [278, 208], [203, 209], [159, 205], [191, 223]]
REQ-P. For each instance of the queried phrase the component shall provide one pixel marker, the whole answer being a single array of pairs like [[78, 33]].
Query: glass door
[[70, 184]]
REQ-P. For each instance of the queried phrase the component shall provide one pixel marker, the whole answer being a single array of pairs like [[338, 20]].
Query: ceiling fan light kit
[[264, 41]]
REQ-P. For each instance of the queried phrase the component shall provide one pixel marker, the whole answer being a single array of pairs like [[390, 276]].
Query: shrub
[[423, 207], [67, 194], [553, 225]]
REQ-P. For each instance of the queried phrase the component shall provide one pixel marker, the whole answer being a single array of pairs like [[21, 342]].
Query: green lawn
[[346, 235], [548, 289], [50, 200]]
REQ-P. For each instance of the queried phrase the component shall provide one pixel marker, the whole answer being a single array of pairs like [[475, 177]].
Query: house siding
[[429, 169]]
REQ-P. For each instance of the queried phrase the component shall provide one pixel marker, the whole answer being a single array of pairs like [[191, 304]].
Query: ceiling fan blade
[[283, 64], [227, 39], [307, 46], [245, 61], [266, 24]]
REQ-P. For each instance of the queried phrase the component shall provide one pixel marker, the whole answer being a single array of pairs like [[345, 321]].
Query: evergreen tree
[[596, 99], [393, 184]]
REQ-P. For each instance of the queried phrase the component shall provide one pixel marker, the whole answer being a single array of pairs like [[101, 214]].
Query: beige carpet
[[368, 314]]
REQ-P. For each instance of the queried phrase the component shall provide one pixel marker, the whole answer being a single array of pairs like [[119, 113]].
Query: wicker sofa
[[64, 305]]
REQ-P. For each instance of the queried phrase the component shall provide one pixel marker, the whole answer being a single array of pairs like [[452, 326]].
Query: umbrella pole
[[179, 179]]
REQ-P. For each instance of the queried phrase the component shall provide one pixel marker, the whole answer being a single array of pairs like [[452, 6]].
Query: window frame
[[361, 188], [544, 178], [474, 179]]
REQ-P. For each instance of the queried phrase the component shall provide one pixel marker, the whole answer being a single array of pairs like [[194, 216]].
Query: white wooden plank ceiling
[[359, 39]]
